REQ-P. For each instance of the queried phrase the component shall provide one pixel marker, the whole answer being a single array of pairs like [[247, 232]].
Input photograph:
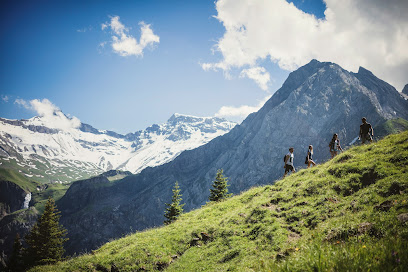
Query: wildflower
[[297, 249], [397, 261], [364, 246], [338, 242], [394, 253]]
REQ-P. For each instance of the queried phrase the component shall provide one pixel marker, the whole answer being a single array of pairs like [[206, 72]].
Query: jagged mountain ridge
[[94, 151], [316, 100]]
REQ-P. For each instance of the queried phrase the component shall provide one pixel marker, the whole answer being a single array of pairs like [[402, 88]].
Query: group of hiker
[[366, 134]]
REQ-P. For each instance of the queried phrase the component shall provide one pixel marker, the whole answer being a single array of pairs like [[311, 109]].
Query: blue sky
[[57, 50]]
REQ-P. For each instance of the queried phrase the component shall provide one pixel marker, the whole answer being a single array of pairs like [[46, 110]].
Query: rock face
[[11, 197], [405, 90], [316, 101]]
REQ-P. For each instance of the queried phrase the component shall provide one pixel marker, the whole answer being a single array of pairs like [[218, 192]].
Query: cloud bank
[[368, 33], [238, 114], [125, 44], [51, 115]]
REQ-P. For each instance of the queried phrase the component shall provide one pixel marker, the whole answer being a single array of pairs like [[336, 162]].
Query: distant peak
[[364, 71], [405, 90]]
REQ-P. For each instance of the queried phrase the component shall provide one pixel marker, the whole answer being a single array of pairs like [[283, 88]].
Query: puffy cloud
[[259, 74], [125, 44], [368, 33], [51, 115], [238, 114]]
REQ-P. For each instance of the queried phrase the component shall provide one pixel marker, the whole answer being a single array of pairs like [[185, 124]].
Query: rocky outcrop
[[405, 89], [316, 101], [11, 197]]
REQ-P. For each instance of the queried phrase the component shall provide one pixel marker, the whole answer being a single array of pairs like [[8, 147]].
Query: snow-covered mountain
[[69, 153]]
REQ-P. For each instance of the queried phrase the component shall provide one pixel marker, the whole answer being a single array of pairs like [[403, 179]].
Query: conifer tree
[[220, 190], [175, 208], [45, 240], [16, 259]]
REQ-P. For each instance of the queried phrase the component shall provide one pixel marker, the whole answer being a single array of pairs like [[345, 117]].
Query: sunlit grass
[[339, 216]]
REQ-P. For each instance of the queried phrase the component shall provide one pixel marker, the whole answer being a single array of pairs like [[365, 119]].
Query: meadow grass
[[338, 216]]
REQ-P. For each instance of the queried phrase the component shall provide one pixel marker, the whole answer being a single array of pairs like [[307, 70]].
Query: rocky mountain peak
[[405, 90], [364, 71]]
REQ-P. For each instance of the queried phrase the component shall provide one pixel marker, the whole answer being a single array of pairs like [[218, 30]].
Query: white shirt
[[290, 160]]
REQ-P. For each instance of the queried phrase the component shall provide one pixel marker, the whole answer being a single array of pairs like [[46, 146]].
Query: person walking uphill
[[309, 158], [334, 146], [289, 162], [366, 131]]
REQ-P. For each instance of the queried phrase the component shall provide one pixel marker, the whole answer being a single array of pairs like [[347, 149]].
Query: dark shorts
[[366, 137], [288, 168]]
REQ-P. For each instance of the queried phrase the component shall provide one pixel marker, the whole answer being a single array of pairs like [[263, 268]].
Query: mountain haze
[[316, 101]]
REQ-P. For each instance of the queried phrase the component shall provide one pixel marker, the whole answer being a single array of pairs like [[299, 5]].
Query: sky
[[125, 65]]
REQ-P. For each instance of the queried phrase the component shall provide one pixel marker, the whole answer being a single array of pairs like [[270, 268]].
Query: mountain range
[[316, 101], [59, 155]]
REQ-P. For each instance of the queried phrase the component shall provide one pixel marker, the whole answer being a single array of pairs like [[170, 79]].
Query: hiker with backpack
[[309, 160], [288, 159], [334, 146], [366, 132]]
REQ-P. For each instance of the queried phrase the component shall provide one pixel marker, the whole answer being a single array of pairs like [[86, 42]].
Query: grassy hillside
[[350, 213], [22, 181], [392, 126]]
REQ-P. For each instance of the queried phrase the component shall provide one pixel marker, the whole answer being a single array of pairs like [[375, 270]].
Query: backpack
[[307, 159], [284, 158]]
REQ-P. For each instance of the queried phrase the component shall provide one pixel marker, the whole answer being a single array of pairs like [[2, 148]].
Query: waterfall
[[27, 200]]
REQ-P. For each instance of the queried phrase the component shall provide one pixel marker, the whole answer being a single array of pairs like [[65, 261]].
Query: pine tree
[[45, 240], [175, 208], [16, 259], [220, 190]]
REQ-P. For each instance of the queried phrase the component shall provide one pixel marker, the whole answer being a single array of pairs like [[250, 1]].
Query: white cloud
[[51, 115], [368, 33], [22, 102], [259, 74], [238, 114], [5, 98], [125, 44]]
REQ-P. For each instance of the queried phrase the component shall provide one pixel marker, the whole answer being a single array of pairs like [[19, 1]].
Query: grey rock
[[405, 89], [403, 217]]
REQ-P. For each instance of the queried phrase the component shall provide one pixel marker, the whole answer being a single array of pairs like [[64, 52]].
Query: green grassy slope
[[19, 179], [344, 215], [392, 126]]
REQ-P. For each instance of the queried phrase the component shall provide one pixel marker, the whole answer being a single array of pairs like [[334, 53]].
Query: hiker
[[366, 132], [334, 146], [309, 157], [289, 162]]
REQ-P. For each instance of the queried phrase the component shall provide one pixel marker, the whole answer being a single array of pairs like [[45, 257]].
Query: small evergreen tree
[[175, 208], [45, 240], [16, 259], [220, 190]]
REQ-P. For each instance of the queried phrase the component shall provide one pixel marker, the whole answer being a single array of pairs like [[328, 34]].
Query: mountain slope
[[36, 149], [348, 214], [316, 100]]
